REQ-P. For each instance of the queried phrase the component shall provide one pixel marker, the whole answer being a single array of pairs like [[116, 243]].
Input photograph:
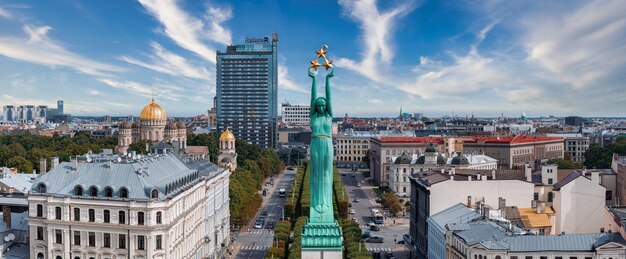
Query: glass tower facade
[[247, 82]]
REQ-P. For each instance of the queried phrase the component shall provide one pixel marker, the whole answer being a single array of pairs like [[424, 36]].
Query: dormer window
[[154, 194], [78, 190], [41, 188], [93, 191], [123, 193], [108, 192]]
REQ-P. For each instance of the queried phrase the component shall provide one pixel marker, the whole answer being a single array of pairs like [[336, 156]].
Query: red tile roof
[[513, 139], [404, 139]]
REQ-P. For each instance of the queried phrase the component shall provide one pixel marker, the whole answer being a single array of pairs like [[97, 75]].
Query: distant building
[[212, 114], [296, 115], [575, 146], [130, 208], [247, 81], [9, 113], [517, 150], [351, 148], [574, 120]]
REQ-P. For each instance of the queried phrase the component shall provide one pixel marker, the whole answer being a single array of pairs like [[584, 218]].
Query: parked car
[[355, 220], [358, 185], [366, 234], [374, 228], [371, 223], [264, 213], [376, 254], [290, 168], [270, 225], [389, 254], [374, 239], [351, 211], [258, 224], [355, 200]]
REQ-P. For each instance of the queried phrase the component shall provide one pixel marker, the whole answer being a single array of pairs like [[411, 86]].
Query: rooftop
[[532, 219], [405, 139], [519, 139]]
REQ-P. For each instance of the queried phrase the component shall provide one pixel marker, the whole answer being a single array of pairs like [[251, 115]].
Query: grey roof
[[20, 182], [569, 242], [457, 214], [167, 173], [481, 231], [17, 251], [403, 159], [570, 177], [161, 145]]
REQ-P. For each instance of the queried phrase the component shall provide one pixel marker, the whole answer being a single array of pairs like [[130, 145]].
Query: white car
[[351, 211], [358, 185]]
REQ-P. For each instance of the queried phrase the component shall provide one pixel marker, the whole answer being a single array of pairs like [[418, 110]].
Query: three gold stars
[[321, 53]]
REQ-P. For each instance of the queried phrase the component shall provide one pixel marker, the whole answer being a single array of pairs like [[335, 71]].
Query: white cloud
[[376, 29], [188, 31], [581, 48], [5, 14], [38, 48], [375, 101], [164, 61], [94, 92], [285, 82], [142, 90]]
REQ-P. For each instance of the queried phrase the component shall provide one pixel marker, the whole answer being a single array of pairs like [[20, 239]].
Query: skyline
[[556, 58]]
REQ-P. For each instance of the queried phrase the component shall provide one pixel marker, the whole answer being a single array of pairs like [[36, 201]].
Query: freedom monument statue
[[321, 235]]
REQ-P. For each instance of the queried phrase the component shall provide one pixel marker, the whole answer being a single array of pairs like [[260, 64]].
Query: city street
[[366, 200], [254, 243]]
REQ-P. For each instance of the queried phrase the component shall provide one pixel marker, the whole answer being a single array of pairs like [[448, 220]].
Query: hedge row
[[295, 249], [341, 198], [292, 203], [352, 239], [281, 239]]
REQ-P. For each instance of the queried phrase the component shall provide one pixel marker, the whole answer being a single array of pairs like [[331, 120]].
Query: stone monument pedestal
[[322, 241]]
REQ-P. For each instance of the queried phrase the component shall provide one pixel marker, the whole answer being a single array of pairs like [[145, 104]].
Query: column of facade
[[66, 243]]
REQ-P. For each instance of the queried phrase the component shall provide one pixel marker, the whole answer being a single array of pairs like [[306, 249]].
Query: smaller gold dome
[[227, 135], [153, 111]]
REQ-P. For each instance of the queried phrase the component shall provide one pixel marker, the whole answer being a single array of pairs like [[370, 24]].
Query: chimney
[[529, 173], [595, 177], [584, 170], [533, 204], [493, 174], [42, 166], [469, 201], [452, 177], [55, 162], [443, 171], [74, 162], [6, 215], [540, 207]]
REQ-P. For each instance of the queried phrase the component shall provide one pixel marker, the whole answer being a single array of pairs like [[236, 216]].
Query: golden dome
[[227, 135], [153, 111]]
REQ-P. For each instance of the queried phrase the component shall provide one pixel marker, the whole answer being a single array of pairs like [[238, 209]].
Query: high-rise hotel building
[[247, 82]]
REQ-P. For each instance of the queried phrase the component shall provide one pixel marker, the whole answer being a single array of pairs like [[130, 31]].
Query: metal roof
[[481, 231], [569, 242], [165, 173], [456, 214]]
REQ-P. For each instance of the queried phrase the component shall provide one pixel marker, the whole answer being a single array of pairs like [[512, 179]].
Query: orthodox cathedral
[[153, 126]]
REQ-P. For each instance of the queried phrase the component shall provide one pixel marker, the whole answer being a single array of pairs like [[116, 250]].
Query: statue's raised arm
[[313, 93], [329, 106]]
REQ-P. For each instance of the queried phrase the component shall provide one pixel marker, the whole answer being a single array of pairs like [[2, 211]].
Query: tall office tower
[[26, 113], [247, 81], [60, 107], [41, 113], [8, 113]]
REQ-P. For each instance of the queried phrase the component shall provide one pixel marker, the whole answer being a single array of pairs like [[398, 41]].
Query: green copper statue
[[321, 232], [321, 154]]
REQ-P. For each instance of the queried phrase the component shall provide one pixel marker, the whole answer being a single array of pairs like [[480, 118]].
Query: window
[[106, 240], [39, 210], [93, 191], [140, 218], [154, 194], [123, 192], [572, 257], [609, 195], [39, 233], [57, 213], [121, 241], [141, 243], [58, 236], [58, 257], [549, 180], [535, 197], [122, 217], [77, 238], [92, 215], [543, 257], [512, 257], [40, 256], [107, 216], [498, 257], [76, 214], [158, 217], [159, 242], [550, 196], [78, 190], [528, 257], [92, 238], [41, 188], [108, 192]]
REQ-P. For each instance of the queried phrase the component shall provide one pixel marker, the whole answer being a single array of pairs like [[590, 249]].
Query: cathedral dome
[[460, 159], [124, 125], [181, 125], [170, 125], [153, 111], [403, 159], [135, 124], [227, 135]]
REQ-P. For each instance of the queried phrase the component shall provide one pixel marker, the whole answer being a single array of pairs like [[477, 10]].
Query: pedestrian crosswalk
[[262, 232], [378, 249], [255, 247]]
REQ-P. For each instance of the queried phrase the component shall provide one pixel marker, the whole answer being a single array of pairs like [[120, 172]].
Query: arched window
[[498, 257], [159, 217], [122, 217], [93, 191], [41, 188], [40, 256], [92, 215], [57, 213], [108, 192], [140, 218], [550, 196], [39, 210], [123, 192], [76, 257], [59, 257], [154, 194], [78, 190]]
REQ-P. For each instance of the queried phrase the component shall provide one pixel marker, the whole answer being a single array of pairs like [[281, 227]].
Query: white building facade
[[157, 207], [296, 115]]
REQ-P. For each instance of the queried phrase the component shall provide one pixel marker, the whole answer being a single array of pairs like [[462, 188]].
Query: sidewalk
[[247, 229]]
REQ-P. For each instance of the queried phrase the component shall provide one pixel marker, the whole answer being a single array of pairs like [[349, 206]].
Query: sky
[[459, 57]]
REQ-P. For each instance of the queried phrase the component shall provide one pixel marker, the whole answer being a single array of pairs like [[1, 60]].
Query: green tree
[[565, 164], [22, 165], [391, 202], [140, 146]]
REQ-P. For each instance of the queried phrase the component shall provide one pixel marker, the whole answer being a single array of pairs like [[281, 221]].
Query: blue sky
[[436, 57]]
